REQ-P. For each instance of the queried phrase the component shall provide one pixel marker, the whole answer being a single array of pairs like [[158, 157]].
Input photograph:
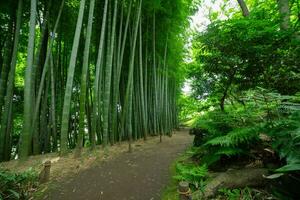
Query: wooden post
[[45, 173], [184, 191]]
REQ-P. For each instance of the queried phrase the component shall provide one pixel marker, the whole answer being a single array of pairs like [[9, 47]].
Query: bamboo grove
[[82, 73]]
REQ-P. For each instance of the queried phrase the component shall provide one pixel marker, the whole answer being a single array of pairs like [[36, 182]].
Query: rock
[[235, 179], [199, 136]]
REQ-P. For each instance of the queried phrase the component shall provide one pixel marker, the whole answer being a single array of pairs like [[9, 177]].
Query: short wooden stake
[[45, 173], [184, 191]]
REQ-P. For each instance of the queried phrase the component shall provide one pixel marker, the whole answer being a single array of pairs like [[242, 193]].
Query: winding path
[[141, 175]]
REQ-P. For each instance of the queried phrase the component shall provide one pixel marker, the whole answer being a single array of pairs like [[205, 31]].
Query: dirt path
[[140, 175]]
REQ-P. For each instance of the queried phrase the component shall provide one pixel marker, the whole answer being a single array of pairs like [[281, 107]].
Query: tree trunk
[[284, 11], [44, 73], [116, 79], [85, 67], [69, 84], [40, 55], [235, 179], [142, 100], [244, 8], [97, 81], [5, 132], [225, 93], [127, 111], [108, 74], [7, 57], [53, 110], [154, 77], [222, 101], [28, 87], [120, 64]]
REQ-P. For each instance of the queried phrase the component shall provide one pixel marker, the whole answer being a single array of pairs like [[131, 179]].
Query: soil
[[140, 175]]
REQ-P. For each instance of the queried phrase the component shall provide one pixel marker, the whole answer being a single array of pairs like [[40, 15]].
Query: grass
[[170, 191]]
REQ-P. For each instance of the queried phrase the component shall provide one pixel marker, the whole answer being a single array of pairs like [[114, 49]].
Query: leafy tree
[[225, 66]]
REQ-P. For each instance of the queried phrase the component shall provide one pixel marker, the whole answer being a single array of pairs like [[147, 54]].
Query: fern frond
[[191, 173], [229, 151], [235, 138]]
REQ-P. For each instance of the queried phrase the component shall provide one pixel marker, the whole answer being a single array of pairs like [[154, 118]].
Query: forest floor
[[140, 175]]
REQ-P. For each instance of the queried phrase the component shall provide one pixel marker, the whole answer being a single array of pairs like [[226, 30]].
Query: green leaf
[[274, 176], [288, 168], [14, 193]]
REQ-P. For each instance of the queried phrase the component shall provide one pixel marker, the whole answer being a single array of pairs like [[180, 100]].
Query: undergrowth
[[194, 174], [240, 129], [265, 122], [17, 185], [242, 194]]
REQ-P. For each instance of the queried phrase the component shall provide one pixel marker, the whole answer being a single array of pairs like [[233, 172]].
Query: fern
[[17, 185], [229, 134], [286, 135], [191, 173], [210, 158], [229, 151], [235, 138], [235, 131]]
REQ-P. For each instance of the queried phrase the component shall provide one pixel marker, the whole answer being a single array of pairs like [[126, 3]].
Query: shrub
[[191, 173], [17, 185], [236, 131]]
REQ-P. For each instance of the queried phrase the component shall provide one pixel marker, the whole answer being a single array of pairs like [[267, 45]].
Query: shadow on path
[[140, 175]]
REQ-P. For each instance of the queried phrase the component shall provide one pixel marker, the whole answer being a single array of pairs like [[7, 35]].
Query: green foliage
[[235, 138], [188, 107], [236, 142], [189, 172], [243, 194], [228, 133], [239, 54], [19, 79], [157, 59], [17, 185], [236, 194], [286, 135], [236, 131], [214, 122], [245, 73]]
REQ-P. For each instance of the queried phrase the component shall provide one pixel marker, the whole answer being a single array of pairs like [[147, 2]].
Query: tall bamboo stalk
[[96, 110], [5, 133], [26, 134], [69, 84], [83, 88], [129, 88]]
